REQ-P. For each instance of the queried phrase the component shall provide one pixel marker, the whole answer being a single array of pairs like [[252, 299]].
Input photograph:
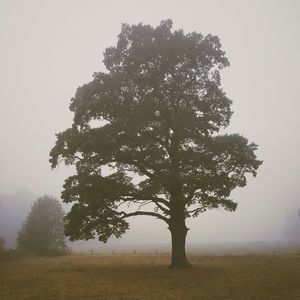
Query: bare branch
[[143, 213], [165, 210], [144, 203], [145, 198]]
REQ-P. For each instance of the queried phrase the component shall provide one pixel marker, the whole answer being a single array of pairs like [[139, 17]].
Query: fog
[[49, 48]]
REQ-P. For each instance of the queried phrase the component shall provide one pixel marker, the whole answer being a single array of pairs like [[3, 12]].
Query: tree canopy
[[153, 119], [43, 231]]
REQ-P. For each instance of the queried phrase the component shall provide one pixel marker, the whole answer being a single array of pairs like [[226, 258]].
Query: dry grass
[[147, 277]]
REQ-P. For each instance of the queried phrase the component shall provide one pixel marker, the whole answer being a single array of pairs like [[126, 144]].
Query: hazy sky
[[49, 48]]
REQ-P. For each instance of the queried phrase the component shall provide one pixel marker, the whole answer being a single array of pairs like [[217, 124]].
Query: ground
[[131, 277]]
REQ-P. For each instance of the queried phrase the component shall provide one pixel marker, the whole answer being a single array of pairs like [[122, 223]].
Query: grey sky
[[49, 48]]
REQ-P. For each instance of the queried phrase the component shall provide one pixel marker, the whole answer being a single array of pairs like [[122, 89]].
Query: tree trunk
[[178, 231]]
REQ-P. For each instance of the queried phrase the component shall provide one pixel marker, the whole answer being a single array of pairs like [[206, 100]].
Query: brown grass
[[147, 277]]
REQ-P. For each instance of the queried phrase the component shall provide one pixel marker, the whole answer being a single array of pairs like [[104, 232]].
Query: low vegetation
[[252, 276], [7, 255]]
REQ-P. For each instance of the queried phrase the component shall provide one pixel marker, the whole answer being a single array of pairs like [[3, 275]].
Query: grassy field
[[252, 276]]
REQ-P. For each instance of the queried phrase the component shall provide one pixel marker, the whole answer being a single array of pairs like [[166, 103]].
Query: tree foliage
[[154, 115], [43, 231], [2, 243]]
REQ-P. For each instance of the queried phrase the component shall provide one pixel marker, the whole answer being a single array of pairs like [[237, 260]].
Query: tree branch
[[199, 209], [145, 198], [144, 213], [191, 195], [165, 210]]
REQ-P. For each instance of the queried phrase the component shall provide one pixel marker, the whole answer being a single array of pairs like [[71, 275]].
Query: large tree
[[43, 231], [152, 118]]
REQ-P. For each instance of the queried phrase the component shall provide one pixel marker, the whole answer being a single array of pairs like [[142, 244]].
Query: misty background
[[50, 48]]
